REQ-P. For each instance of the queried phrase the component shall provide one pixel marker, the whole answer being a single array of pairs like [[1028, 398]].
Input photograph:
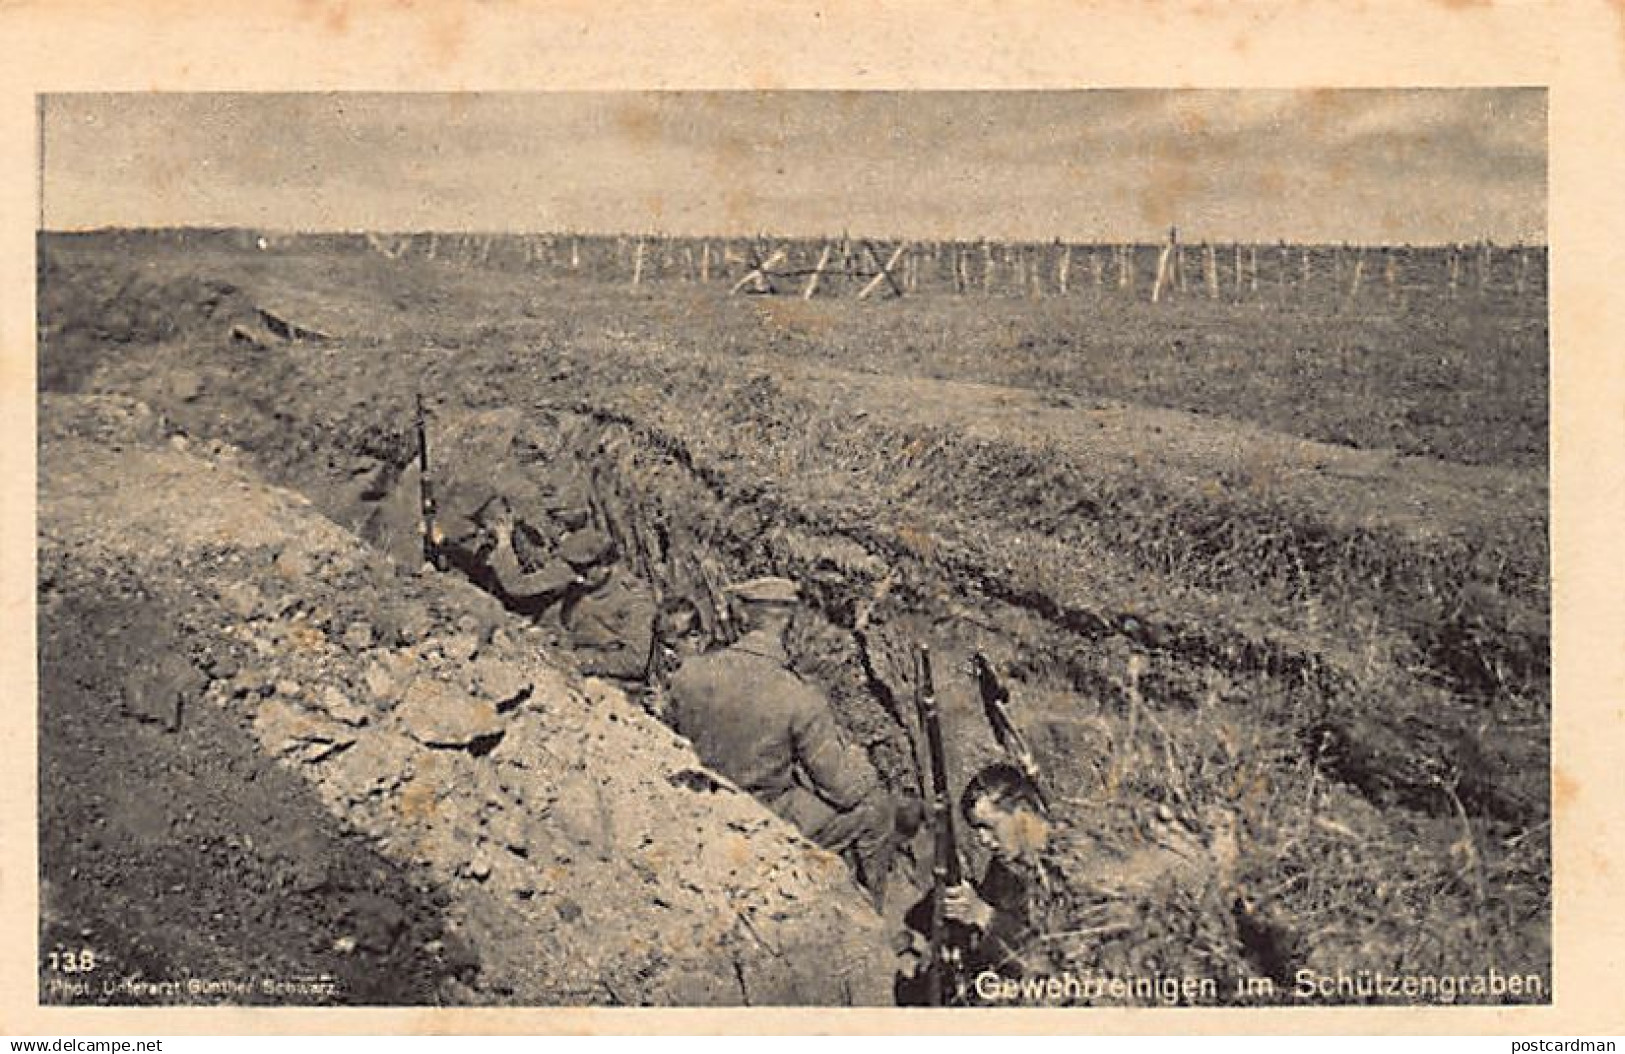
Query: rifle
[[996, 705], [426, 507], [722, 626], [943, 960]]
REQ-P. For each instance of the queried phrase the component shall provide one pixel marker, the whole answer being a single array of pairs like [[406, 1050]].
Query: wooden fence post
[[1212, 272], [637, 263], [1163, 278], [987, 267], [885, 274], [818, 272], [758, 272], [1359, 271], [1063, 269]]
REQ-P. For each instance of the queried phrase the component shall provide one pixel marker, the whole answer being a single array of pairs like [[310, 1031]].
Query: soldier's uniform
[[1081, 900], [611, 628], [1032, 902], [757, 723], [465, 545]]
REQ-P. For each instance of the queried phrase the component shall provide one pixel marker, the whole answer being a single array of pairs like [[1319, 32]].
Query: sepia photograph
[[767, 548]]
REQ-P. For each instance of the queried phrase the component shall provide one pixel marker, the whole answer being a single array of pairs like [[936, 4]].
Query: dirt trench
[[1355, 785], [873, 601], [532, 838]]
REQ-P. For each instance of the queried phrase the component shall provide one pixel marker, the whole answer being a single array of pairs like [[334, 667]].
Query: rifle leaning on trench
[[723, 630], [942, 963], [996, 706], [426, 507]]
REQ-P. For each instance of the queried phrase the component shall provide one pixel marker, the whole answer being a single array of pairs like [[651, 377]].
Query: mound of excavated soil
[[488, 817], [176, 851]]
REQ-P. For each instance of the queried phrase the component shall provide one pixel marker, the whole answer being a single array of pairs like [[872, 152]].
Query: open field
[[1317, 525]]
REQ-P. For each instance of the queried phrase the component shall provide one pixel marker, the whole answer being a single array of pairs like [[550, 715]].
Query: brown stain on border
[[332, 15], [1565, 789]]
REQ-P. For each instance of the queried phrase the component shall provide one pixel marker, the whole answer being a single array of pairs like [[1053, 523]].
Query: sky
[[1417, 166]]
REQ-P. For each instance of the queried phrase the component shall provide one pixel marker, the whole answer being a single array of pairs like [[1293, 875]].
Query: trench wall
[[586, 856]]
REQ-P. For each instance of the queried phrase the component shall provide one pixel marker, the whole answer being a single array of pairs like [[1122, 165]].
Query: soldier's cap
[[586, 547], [569, 507], [572, 519], [562, 495], [767, 590]]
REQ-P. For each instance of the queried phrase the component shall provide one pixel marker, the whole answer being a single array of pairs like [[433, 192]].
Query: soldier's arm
[[551, 579], [679, 689], [840, 775]]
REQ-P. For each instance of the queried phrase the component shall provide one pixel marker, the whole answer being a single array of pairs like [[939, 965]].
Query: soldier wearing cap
[[754, 721], [610, 618]]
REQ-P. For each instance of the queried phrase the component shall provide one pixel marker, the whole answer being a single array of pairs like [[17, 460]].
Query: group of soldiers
[[754, 721], [550, 562]]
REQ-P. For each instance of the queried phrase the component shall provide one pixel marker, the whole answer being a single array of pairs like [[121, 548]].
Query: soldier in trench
[[605, 613], [999, 923], [679, 635], [610, 618], [1054, 895], [756, 722], [487, 547]]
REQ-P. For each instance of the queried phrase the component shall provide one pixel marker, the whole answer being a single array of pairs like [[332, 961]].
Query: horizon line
[[765, 235]]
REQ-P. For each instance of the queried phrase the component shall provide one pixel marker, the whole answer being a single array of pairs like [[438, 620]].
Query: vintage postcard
[[1039, 517]]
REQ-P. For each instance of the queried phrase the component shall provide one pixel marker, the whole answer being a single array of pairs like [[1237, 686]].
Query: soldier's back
[[740, 710]]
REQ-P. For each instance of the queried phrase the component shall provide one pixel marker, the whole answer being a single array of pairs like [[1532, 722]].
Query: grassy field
[[1319, 528], [1462, 376]]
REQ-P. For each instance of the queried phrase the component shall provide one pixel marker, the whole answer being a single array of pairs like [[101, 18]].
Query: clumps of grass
[[1279, 869]]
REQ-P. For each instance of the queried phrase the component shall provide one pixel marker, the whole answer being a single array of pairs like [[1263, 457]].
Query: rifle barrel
[[945, 870], [426, 506]]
